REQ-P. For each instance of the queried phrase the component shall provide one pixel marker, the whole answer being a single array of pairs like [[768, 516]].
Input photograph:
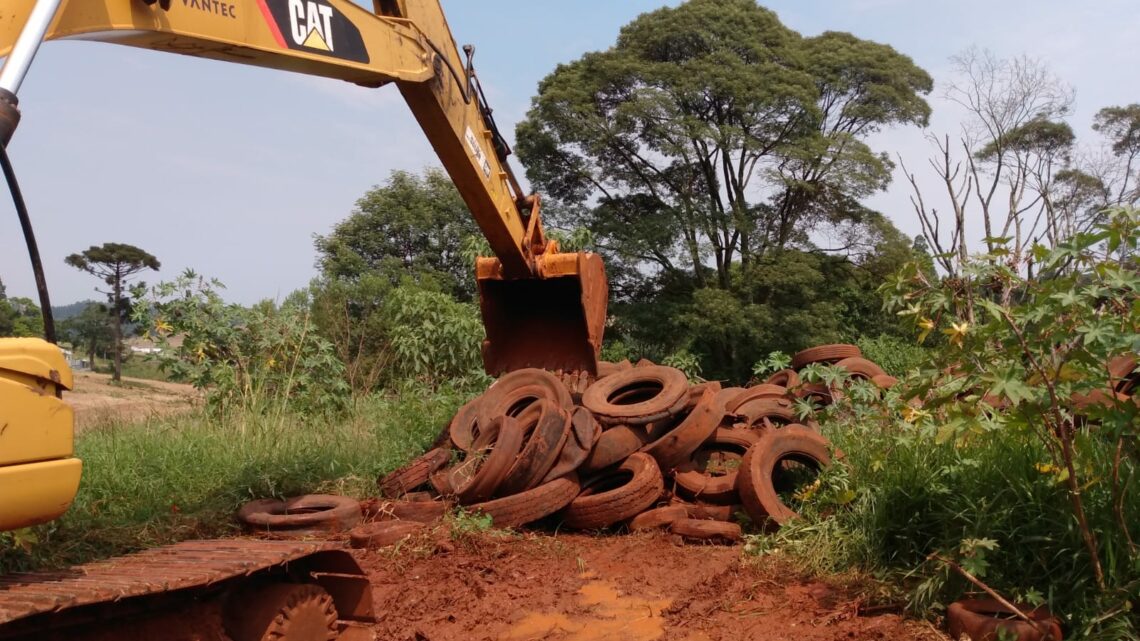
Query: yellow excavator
[[540, 307]]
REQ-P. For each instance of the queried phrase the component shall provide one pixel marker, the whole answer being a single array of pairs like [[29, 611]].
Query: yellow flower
[[914, 415], [807, 492], [926, 325], [1046, 468], [271, 362], [162, 327], [957, 332]]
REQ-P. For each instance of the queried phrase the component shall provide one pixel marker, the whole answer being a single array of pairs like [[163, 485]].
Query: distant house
[[144, 345]]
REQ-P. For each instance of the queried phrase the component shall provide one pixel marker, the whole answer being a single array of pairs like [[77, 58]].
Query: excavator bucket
[[553, 321]]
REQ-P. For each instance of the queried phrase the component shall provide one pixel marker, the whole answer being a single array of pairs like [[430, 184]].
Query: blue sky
[[230, 170]]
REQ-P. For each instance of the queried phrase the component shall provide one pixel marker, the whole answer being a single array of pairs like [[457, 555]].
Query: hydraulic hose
[[33, 248]]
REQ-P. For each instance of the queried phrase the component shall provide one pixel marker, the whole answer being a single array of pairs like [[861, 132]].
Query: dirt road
[[584, 588], [97, 401]]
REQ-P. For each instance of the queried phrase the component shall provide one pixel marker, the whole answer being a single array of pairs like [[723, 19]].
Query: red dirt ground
[[584, 588]]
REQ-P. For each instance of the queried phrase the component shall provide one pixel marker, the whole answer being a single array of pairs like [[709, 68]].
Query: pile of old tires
[[637, 447]]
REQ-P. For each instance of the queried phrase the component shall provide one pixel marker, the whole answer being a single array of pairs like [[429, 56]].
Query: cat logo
[[313, 26]]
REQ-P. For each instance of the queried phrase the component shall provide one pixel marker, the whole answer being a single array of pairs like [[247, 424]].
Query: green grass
[[183, 477], [901, 495], [135, 367]]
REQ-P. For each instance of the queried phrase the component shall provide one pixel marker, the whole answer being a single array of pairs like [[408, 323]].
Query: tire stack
[[639, 446]]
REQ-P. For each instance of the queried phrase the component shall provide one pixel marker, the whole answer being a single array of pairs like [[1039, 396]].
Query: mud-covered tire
[[705, 512], [670, 398], [754, 393], [658, 518], [583, 435], [981, 619], [699, 484], [674, 447], [531, 505], [786, 378], [1124, 373], [884, 381], [614, 446], [418, 511], [709, 531], [766, 413], [859, 367], [304, 515], [754, 481], [824, 354], [464, 424], [383, 533], [590, 509], [606, 368], [413, 475], [511, 394], [541, 448], [502, 439]]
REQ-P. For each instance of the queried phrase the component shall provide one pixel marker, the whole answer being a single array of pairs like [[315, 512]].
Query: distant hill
[[64, 312]]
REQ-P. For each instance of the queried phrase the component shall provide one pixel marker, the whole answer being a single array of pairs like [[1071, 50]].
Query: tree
[[115, 263], [711, 134], [90, 330], [412, 226]]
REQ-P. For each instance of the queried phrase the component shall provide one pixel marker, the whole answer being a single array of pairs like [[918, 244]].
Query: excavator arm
[[541, 308]]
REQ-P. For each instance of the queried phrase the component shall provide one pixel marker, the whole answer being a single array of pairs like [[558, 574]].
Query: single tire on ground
[[616, 495], [309, 514], [531, 505], [756, 481], [658, 518], [981, 620], [711, 531], [414, 474], [824, 354], [667, 395], [884, 381], [383, 533], [707, 512], [418, 511]]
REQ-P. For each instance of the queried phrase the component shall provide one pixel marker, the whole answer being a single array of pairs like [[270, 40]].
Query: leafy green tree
[[90, 330], [24, 318], [710, 134], [115, 263], [411, 226]]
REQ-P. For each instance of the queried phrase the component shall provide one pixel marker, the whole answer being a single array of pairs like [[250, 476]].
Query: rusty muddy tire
[[531, 505], [614, 446], [674, 447], [884, 381], [755, 393], [658, 518], [766, 413], [441, 482], [616, 495], [786, 378], [824, 354], [638, 396], [514, 392], [475, 479], [383, 533], [549, 427], [861, 368], [464, 424], [710, 474], [709, 531], [706, 512], [418, 511], [757, 479], [309, 514], [583, 435], [988, 620], [606, 368], [414, 474]]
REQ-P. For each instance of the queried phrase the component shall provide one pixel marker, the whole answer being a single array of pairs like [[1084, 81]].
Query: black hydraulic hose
[[33, 248]]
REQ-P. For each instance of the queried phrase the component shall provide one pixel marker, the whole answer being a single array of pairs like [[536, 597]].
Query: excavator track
[[175, 578]]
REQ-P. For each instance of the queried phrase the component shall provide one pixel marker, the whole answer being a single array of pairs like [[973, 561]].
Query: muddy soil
[[97, 401], [583, 588]]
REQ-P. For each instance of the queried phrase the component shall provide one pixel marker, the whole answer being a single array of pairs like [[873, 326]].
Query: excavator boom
[[408, 43]]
